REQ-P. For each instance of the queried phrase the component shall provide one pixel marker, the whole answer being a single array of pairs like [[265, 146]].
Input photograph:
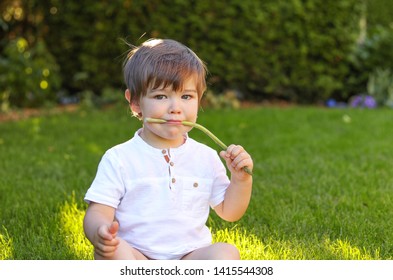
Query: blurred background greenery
[[303, 51]]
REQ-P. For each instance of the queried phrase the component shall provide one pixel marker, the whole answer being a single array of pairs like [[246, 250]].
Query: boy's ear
[[127, 95], [135, 108]]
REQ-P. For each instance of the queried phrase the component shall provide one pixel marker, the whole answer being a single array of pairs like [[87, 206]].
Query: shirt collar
[[158, 151]]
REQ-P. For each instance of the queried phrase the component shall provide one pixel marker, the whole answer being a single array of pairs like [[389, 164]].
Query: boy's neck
[[161, 143]]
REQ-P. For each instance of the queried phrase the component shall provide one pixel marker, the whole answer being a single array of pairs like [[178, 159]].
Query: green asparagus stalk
[[203, 129]]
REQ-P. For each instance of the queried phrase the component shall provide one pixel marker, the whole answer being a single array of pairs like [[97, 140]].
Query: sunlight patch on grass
[[6, 248], [71, 223], [343, 250], [252, 248]]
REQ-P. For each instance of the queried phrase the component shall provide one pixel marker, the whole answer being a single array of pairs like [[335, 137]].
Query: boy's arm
[[238, 194], [100, 228]]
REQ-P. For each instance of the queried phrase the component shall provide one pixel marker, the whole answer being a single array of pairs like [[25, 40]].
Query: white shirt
[[161, 197]]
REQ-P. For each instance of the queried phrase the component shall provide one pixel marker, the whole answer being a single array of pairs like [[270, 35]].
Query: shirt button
[[172, 163], [195, 185], [173, 180], [163, 152]]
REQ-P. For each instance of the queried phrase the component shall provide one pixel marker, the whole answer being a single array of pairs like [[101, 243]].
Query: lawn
[[323, 187]]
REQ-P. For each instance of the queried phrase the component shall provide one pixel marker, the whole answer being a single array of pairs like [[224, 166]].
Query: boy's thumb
[[114, 227]]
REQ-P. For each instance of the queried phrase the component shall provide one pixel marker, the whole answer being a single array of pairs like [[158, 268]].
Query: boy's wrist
[[242, 180]]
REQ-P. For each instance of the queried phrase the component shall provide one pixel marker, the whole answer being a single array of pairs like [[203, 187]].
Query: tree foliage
[[300, 50]]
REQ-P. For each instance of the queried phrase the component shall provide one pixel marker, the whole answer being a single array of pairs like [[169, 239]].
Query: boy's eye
[[159, 96], [187, 96]]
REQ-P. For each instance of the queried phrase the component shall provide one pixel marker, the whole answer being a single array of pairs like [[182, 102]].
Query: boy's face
[[174, 107]]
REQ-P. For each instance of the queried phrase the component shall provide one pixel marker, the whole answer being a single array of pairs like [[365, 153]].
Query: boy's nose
[[174, 107]]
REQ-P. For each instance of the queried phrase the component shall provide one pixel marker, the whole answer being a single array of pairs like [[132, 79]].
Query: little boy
[[151, 195]]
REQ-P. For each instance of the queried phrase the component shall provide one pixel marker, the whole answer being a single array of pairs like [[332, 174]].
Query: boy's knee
[[229, 252], [233, 253]]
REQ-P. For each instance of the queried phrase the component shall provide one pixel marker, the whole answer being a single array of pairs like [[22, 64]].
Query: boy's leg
[[124, 252], [216, 251]]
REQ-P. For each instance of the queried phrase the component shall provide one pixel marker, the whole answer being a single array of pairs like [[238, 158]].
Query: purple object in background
[[363, 101]]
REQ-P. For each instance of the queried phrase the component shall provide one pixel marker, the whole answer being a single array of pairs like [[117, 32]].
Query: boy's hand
[[236, 158], [107, 242]]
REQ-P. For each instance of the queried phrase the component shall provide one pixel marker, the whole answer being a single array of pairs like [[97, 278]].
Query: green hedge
[[374, 54], [379, 12], [296, 49], [29, 76]]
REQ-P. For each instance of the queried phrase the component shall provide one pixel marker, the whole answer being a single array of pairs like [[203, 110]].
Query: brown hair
[[162, 63]]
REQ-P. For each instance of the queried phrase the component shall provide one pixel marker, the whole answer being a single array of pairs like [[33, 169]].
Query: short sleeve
[[108, 185]]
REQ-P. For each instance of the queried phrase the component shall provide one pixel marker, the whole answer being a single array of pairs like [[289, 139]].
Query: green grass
[[323, 187]]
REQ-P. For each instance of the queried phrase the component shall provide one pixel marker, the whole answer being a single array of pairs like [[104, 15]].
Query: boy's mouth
[[176, 122]]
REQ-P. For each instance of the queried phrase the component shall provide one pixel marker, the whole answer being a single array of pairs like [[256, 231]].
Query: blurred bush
[[299, 50], [288, 49], [29, 75], [380, 86], [226, 100], [374, 53]]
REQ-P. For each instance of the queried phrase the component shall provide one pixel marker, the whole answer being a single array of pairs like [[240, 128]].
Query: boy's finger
[[114, 228]]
